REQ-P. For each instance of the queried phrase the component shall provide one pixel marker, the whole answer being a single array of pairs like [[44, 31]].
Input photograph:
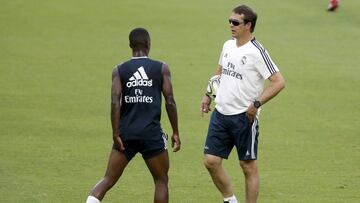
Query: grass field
[[56, 59]]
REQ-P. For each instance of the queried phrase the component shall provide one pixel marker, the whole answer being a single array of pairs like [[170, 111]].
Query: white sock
[[92, 199], [231, 199]]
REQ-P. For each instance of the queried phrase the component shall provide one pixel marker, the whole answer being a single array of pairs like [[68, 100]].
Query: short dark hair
[[139, 39], [249, 15]]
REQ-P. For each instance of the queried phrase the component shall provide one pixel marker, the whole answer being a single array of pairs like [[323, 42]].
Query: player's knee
[[162, 180]]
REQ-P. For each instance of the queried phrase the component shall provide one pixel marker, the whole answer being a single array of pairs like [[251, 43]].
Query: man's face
[[237, 25]]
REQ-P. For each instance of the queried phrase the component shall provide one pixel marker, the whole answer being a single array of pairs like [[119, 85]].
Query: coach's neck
[[244, 39]]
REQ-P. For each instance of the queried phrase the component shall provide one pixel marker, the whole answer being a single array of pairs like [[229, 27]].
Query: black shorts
[[225, 132], [147, 148]]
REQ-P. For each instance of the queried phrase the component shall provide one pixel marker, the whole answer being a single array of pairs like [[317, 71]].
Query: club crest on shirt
[[243, 60]]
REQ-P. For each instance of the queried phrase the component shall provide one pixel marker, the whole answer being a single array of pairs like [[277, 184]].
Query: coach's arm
[[206, 100], [277, 83]]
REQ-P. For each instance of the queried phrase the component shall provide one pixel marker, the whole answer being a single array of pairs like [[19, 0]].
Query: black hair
[[139, 39], [249, 15]]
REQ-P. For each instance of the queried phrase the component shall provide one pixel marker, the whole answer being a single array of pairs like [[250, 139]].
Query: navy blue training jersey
[[140, 113]]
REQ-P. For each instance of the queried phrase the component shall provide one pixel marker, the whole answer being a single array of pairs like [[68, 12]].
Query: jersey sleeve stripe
[[264, 56], [269, 61]]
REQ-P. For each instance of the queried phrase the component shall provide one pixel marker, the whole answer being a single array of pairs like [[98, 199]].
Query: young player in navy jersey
[[137, 85], [244, 66]]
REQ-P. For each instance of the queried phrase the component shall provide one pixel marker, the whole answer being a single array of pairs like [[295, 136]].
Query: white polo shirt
[[244, 71]]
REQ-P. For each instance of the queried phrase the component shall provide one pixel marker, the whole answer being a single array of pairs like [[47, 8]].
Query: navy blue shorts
[[147, 148], [225, 132]]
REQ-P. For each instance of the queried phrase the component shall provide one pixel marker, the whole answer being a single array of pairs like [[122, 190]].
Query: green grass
[[56, 59]]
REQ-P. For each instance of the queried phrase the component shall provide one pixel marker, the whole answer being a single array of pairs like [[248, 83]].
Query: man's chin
[[233, 34]]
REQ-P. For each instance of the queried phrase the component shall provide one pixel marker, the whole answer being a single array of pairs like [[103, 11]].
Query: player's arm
[[276, 84], [206, 100], [116, 90], [171, 109]]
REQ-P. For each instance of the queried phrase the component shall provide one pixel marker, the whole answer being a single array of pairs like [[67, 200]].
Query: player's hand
[[205, 105], [251, 113], [175, 142], [118, 142]]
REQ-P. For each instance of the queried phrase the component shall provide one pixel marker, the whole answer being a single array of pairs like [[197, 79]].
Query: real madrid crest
[[243, 60]]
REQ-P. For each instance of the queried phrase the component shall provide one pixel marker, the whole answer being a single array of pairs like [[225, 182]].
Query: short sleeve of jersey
[[225, 47], [221, 55], [265, 65]]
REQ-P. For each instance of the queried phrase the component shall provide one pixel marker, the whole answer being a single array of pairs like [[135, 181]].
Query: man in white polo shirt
[[244, 66]]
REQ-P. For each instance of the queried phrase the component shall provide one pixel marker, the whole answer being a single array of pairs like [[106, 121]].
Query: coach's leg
[[251, 180], [218, 174], [116, 164], [159, 167]]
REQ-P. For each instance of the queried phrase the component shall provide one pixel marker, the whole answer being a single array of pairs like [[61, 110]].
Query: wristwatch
[[257, 104]]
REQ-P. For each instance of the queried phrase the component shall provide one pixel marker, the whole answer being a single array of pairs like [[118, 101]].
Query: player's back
[[141, 81]]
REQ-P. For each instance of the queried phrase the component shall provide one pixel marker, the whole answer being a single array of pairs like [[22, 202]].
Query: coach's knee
[[211, 162], [249, 167]]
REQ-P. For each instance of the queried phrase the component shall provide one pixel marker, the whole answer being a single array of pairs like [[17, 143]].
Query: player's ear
[[148, 45]]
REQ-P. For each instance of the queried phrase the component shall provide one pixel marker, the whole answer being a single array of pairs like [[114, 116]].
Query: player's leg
[[116, 164], [159, 167], [251, 180], [218, 174]]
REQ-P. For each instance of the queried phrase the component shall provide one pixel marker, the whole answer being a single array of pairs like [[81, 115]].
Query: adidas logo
[[139, 78]]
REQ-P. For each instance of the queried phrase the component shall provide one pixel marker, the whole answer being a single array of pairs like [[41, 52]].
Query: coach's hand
[[205, 105], [118, 142], [251, 112], [175, 142]]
